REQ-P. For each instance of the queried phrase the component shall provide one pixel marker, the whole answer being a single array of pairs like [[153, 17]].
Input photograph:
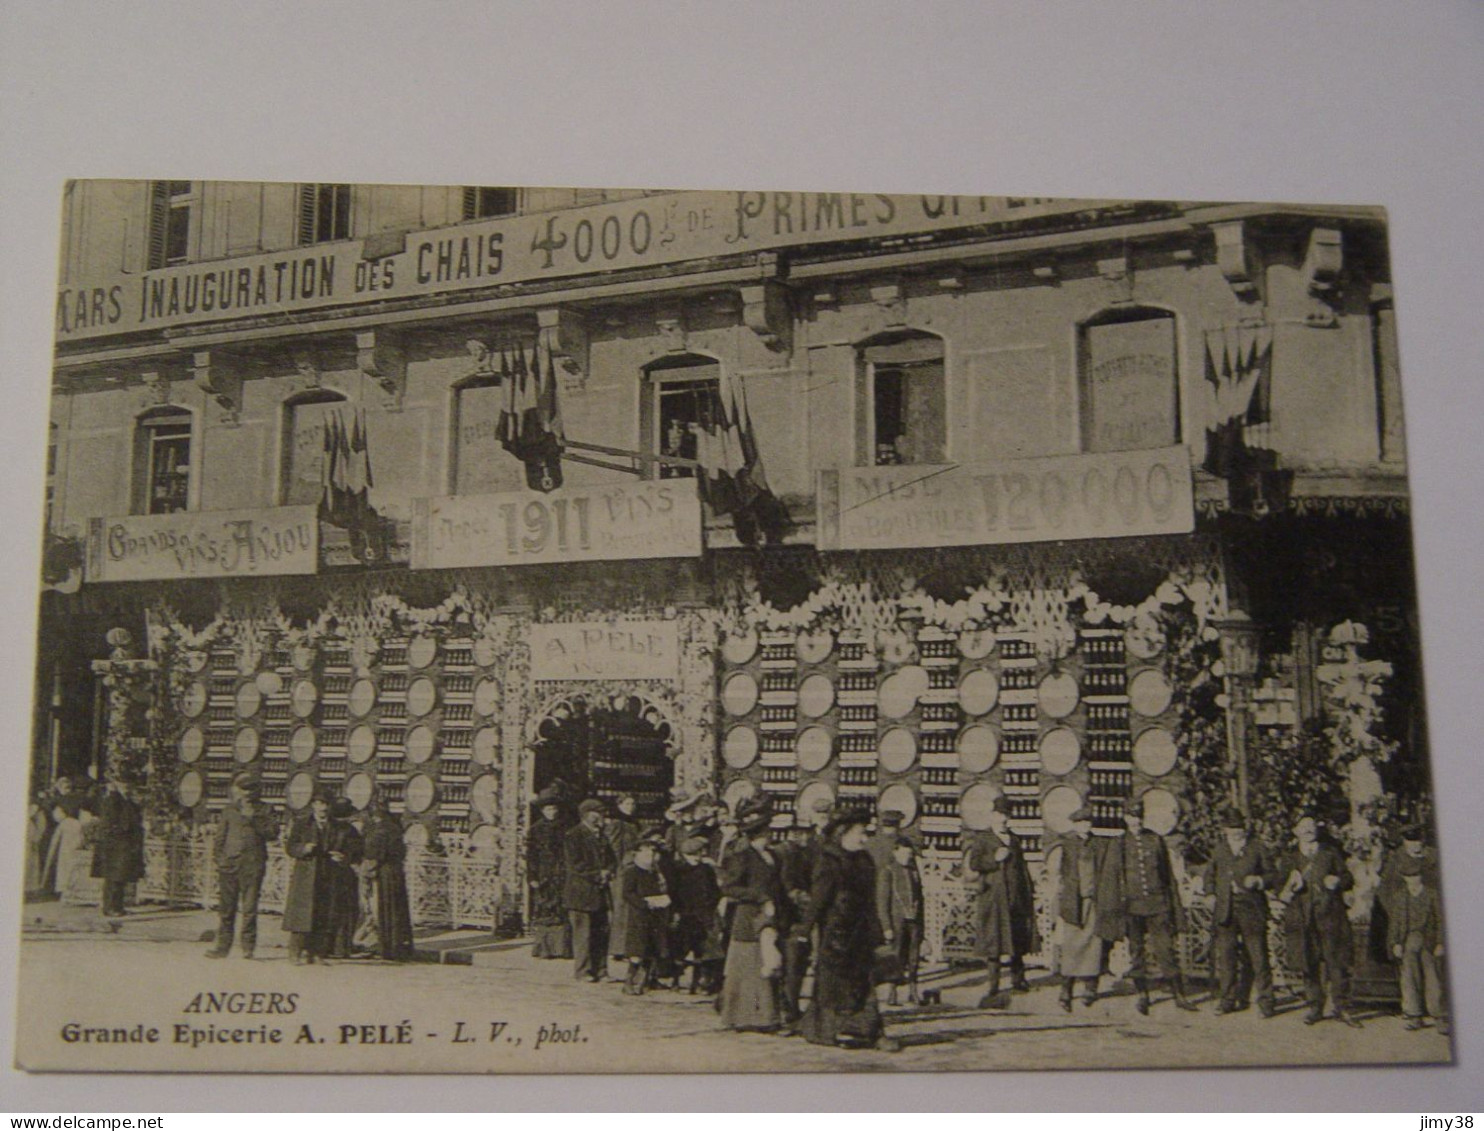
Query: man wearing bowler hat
[[240, 849], [1239, 876], [589, 862], [1144, 879], [1004, 906], [1316, 921]]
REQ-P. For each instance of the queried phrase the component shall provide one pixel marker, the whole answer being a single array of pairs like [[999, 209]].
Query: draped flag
[[530, 424], [732, 479], [347, 486]]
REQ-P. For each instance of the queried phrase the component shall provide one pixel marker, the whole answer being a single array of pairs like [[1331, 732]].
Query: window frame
[[147, 445], [308, 225], [472, 197], [903, 349], [1117, 315], [657, 375], [286, 434], [169, 201]]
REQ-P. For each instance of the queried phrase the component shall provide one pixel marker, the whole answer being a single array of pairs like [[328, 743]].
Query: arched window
[[1128, 380], [304, 444], [901, 414], [478, 464], [682, 396], [162, 462]]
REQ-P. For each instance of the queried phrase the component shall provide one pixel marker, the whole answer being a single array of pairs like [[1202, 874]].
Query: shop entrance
[[605, 747]]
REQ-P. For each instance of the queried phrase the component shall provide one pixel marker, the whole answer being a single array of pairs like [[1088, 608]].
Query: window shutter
[[159, 224], [471, 203], [307, 200]]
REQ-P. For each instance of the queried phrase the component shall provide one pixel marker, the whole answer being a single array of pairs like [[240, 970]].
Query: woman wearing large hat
[[842, 905], [750, 882], [546, 873]]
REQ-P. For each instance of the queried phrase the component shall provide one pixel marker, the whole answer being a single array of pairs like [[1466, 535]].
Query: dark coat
[[1119, 863], [306, 908], [546, 871], [1105, 897], [241, 842], [898, 895], [696, 893], [590, 865], [644, 927], [1005, 904], [1316, 920], [842, 905], [1226, 872], [386, 856], [750, 880], [1422, 913], [118, 852]]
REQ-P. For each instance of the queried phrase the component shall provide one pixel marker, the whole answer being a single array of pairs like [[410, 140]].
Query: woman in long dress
[[68, 852], [546, 872], [306, 909], [346, 849], [38, 827], [753, 888], [842, 906], [384, 864], [623, 834]]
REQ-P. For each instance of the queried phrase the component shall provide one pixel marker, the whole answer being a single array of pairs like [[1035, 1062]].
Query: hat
[[845, 816], [1410, 866], [247, 783], [342, 807], [1001, 804], [591, 805], [1414, 833], [551, 795], [821, 804], [1081, 813], [1232, 818], [755, 813], [684, 801], [891, 818], [694, 845]]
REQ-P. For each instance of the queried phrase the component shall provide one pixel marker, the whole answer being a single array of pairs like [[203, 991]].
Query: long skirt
[[843, 1006], [748, 1000], [551, 940], [1081, 948], [66, 856]]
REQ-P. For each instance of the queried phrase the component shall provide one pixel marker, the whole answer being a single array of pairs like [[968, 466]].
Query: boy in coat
[[696, 894], [899, 905], [646, 900], [1415, 937], [1239, 876], [1315, 921], [240, 849]]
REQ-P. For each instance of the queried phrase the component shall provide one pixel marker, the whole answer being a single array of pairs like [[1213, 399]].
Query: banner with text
[[642, 232], [172, 547], [648, 649], [575, 524], [1107, 495]]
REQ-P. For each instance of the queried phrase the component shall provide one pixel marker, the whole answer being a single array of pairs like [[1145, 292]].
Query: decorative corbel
[[951, 279], [766, 312], [1114, 268], [565, 335], [156, 390], [1231, 257], [385, 363], [222, 387], [481, 357], [1323, 260], [891, 297], [670, 325]]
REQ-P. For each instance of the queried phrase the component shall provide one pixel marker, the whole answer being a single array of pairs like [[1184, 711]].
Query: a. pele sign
[[1104, 495], [647, 649]]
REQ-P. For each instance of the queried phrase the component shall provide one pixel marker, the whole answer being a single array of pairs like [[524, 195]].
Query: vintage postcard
[[494, 629]]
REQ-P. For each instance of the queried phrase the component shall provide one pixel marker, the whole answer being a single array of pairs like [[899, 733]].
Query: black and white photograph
[[501, 629]]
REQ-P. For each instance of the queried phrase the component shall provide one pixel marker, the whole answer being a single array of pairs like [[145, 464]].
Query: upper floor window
[[479, 462], [304, 469], [681, 412], [324, 213], [1129, 381], [902, 405], [162, 462], [170, 206], [484, 201]]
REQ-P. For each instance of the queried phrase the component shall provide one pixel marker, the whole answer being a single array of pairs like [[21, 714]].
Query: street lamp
[[1240, 653]]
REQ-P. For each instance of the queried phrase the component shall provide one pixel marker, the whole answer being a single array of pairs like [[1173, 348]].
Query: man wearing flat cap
[[799, 858], [1415, 941], [240, 849], [881, 843], [1141, 883], [1239, 876], [1004, 905], [1085, 931], [590, 864], [1316, 921]]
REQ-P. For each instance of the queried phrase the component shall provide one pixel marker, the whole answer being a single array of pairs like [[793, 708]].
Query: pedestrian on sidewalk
[[118, 852], [1316, 921], [1144, 880], [751, 883], [307, 907], [589, 864], [1005, 905], [695, 941], [383, 864], [346, 851], [899, 905], [1085, 927], [648, 911], [546, 873], [623, 835], [240, 849], [1239, 876], [1416, 940]]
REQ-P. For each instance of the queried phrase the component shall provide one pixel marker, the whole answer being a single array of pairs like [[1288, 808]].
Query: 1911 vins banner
[[1110, 494], [618, 521]]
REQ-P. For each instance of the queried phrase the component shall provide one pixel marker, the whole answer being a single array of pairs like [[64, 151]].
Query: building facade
[[911, 501]]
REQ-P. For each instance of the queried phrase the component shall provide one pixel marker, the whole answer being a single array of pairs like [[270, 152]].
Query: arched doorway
[[601, 746]]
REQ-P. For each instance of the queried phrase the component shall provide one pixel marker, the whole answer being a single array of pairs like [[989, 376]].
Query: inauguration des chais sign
[[642, 232]]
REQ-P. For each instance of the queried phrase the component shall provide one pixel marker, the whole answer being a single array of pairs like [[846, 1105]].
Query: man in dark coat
[[623, 834], [1415, 941], [798, 859], [307, 907], [240, 849], [384, 863], [696, 939], [346, 850], [1238, 877], [1414, 846], [589, 863], [1143, 879], [118, 853], [546, 872], [1004, 906], [899, 906], [1316, 922], [1089, 918]]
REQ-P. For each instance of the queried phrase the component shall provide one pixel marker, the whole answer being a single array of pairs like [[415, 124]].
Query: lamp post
[[1240, 653]]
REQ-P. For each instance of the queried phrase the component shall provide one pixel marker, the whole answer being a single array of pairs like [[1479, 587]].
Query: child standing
[[1416, 939], [899, 905]]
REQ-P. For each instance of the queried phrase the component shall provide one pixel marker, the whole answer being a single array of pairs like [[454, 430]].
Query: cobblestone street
[[504, 1011]]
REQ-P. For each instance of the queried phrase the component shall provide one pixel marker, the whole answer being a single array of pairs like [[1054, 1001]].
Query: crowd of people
[[81, 830], [811, 933]]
